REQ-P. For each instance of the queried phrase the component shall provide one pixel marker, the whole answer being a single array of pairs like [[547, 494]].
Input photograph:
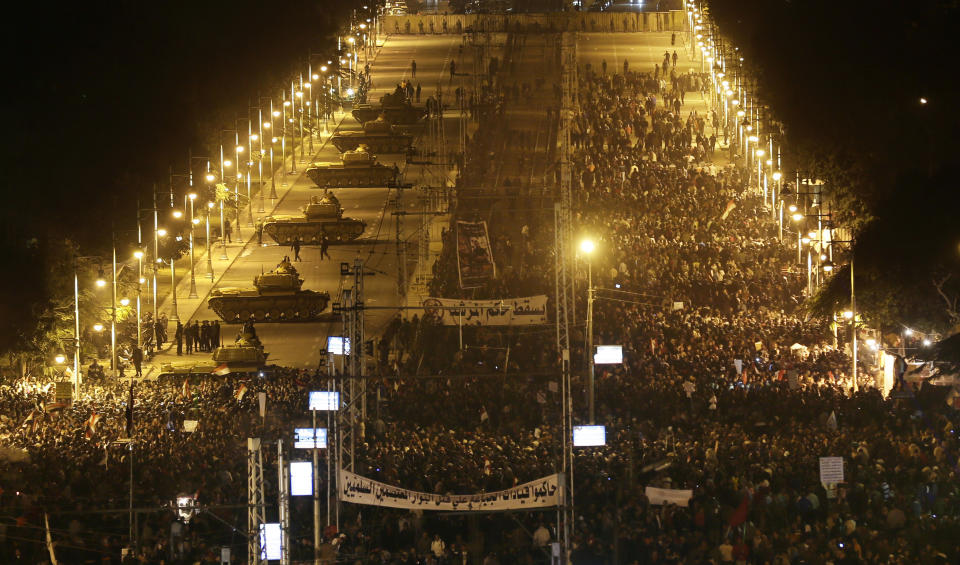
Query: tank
[[357, 168], [394, 108], [275, 297], [322, 216], [378, 135], [246, 353]]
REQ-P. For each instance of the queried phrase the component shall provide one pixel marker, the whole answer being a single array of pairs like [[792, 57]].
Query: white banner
[[542, 493], [524, 311], [668, 496]]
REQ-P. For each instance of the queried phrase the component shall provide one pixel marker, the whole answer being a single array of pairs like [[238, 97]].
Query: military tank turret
[[321, 217], [378, 135], [276, 297], [395, 108], [357, 168], [245, 355]]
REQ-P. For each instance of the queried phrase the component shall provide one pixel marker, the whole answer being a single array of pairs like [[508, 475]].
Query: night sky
[[105, 96]]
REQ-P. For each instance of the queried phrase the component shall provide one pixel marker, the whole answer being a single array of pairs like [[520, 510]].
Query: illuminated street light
[[98, 327], [161, 232], [587, 246], [60, 358], [777, 175], [124, 302], [848, 314]]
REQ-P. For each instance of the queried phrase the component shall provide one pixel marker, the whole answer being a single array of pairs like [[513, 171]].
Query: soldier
[[137, 358], [179, 337], [324, 245], [215, 331], [259, 231], [188, 337], [296, 249]]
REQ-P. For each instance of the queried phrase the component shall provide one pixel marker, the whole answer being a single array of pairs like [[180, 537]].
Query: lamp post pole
[[209, 256], [273, 140], [591, 398], [193, 269], [113, 313]]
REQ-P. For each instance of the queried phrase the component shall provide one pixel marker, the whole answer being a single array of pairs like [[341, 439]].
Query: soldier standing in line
[[179, 337]]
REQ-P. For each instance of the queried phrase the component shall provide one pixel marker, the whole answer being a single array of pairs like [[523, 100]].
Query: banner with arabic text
[[474, 256], [542, 493], [523, 311]]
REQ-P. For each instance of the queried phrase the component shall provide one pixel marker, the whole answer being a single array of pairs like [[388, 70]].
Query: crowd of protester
[[711, 397]]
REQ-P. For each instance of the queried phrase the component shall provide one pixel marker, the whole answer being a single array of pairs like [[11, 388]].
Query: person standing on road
[[453, 69], [227, 230], [188, 337], [259, 231], [179, 337], [137, 358], [216, 334], [674, 59], [324, 245], [418, 92], [413, 68], [296, 249]]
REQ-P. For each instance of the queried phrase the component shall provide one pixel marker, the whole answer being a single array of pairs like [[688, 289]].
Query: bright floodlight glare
[[923, 101], [209, 204], [124, 302], [266, 125], [60, 358], [196, 221], [101, 283], [227, 163], [239, 149], [161, 232], [797, 216], [177, 213], [777, 175], [254, 137], [828, 267], [211, 177], [792, 208], [276, 112], [587, 246], [98, 327], [926, 342], [761, 152], [323, 69], [848, 314], [192, 196], [908, 332], [315, 76]]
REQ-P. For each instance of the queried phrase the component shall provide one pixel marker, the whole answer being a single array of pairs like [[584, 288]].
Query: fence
[[568, 21]]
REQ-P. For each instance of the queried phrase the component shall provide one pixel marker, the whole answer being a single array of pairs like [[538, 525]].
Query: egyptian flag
[[730, 206], [739, 515], [54, 406], [185, 391], [240, 392], [221, 370], [91, 425]]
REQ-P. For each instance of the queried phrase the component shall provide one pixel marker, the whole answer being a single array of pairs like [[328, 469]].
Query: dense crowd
[[711, 397]]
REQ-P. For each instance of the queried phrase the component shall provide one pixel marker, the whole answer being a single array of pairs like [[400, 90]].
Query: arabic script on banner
[[525, 311], [542, 493]]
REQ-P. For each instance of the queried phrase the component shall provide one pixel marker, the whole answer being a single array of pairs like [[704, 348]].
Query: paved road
[[299, 344]]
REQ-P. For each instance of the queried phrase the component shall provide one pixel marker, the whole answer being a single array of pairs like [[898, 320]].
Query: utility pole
[[255, 502]]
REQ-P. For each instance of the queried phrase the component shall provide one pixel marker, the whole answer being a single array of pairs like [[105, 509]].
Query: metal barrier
[[427, 24]]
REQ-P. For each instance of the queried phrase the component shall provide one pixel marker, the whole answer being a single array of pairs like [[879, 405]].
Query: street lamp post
[[587, 247], [193, 278]]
